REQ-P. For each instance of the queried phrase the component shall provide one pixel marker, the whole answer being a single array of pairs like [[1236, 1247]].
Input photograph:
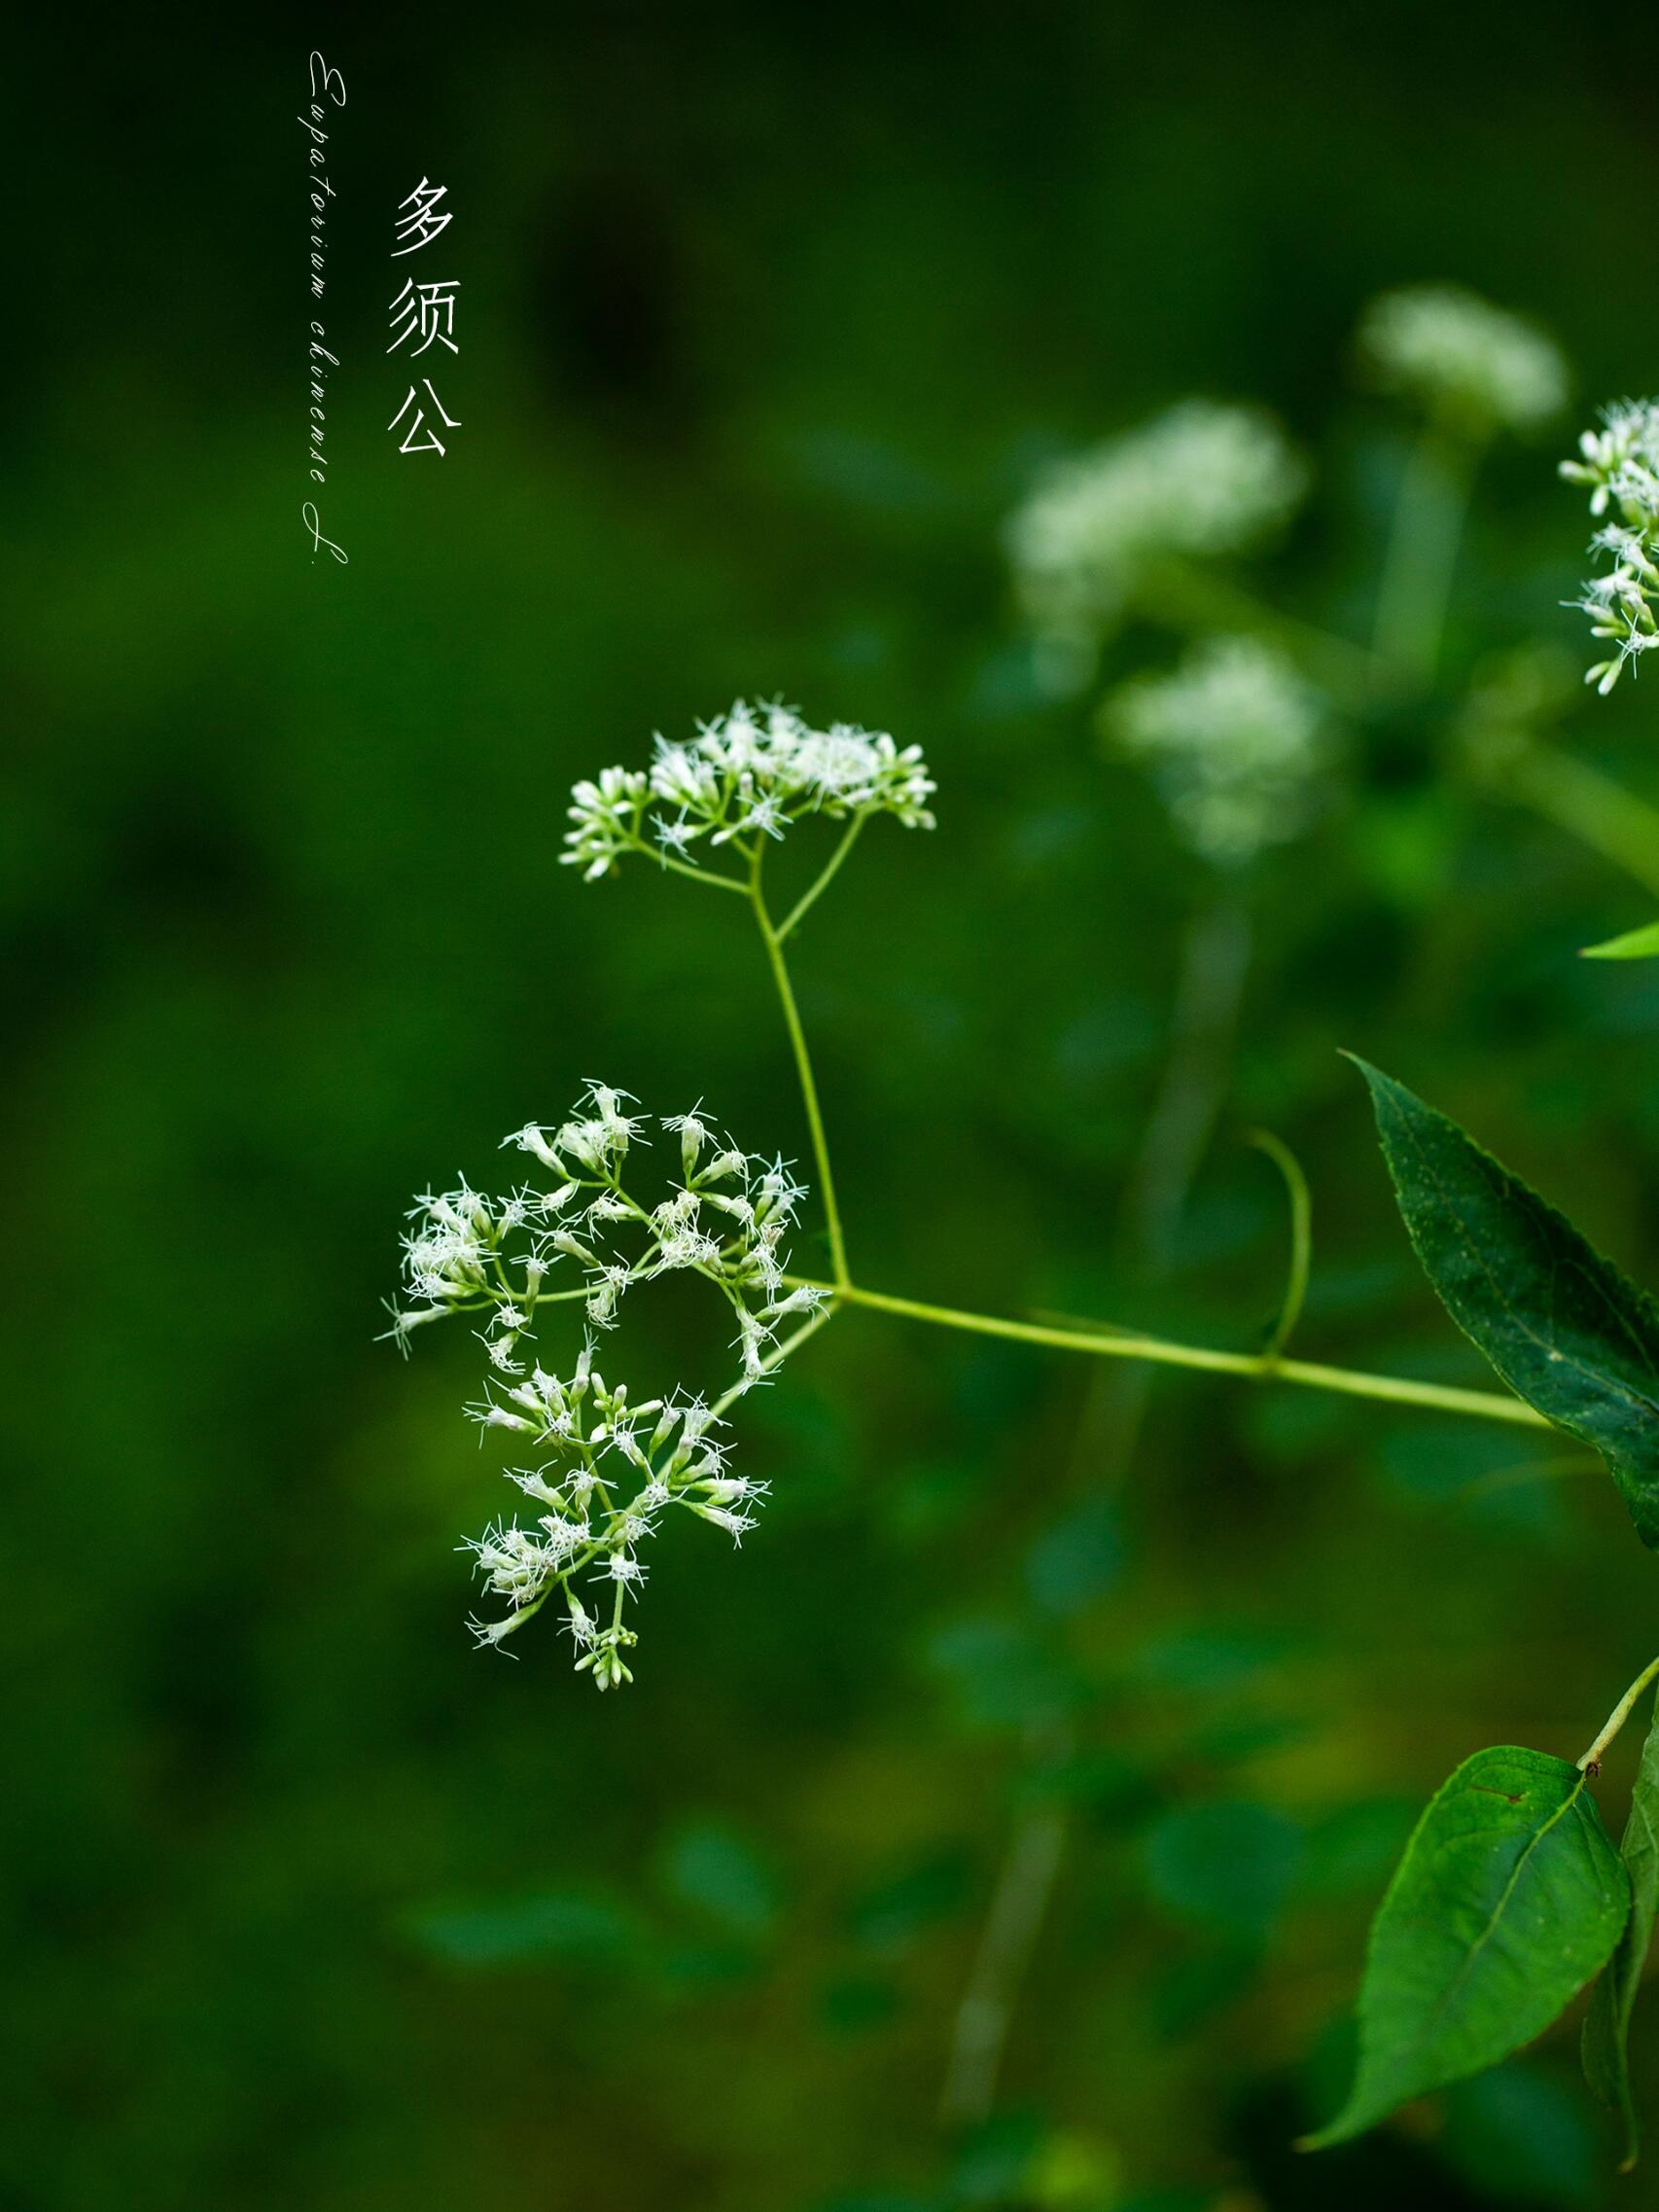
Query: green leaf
[[1565, 1328], [1508, 1899], [1606, 2024], [1634, 945]]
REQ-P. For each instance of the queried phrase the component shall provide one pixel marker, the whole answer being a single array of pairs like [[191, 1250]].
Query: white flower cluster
[[1234, 738], [1474, 365], [1203, 479], [745, 776], [607, 1467], [1620, 465]]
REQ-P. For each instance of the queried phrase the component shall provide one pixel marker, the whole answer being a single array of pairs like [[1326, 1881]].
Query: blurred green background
[[766, 319]]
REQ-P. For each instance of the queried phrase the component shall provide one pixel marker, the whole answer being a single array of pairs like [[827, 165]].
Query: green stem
[[1416, 582], [1484, 1405], [685, 868], [809, 899], [712, 876], [803, 1071], [1352, 1382], [1617, 1718], [1591, 807]]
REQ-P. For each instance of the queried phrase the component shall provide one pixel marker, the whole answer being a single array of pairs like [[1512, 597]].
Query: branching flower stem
[[1353, 1383], [772, 939], [1098, 1344], [810, 898], [710, 876]]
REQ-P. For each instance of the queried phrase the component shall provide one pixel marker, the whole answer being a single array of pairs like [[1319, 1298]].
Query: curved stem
[[1313, 1374], [1301, 1237], [804, 905], [1617, 1718], [803, 1070]]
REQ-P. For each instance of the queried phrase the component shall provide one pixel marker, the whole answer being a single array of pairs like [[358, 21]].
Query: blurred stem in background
[[1501, 740], [1590, 807], [1182, 594], [1019, 1903], [1414, 588], [1197, 1076]]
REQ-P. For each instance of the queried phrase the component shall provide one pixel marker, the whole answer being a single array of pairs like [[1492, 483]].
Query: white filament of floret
[[618, 1465], [747, 774], [1619, 464]]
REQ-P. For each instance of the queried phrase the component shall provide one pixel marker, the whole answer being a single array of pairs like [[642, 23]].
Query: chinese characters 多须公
[[421, 315]]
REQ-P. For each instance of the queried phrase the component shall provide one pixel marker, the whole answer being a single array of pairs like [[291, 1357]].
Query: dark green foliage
[[1562, 1325]]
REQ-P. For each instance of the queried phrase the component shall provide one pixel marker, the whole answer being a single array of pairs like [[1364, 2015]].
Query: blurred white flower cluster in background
[[1202, 481], [1478, 367], [1235, 739]]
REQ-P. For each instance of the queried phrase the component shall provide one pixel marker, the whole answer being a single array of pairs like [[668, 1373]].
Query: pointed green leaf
[[1606, 2024], [1634, 945], [1509, 1897], [1565, 1328]]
